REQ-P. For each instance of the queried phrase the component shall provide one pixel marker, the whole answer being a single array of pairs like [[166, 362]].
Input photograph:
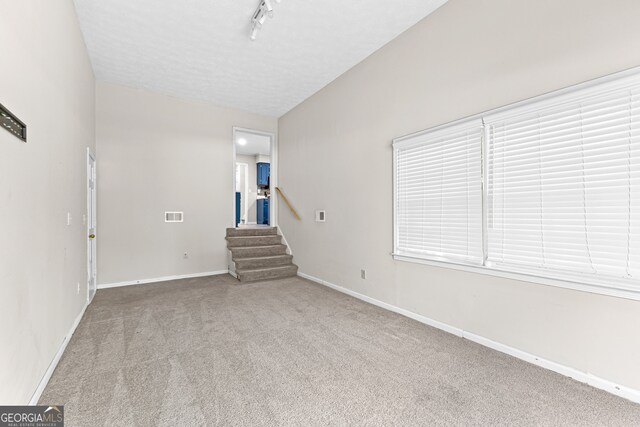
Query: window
[[439, 194], [549, 188], [564, 189]]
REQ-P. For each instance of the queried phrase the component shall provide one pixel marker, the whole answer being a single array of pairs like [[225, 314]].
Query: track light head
[[265, 8], [268, 7]]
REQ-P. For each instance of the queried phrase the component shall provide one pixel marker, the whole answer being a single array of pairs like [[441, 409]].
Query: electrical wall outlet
[[363, 274]]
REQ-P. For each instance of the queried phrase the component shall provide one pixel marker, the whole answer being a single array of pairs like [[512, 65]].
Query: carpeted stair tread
[[256, 275], [252, 241], [258, 231], [257, 251], [282, 267], [263, 262], [262, 257]]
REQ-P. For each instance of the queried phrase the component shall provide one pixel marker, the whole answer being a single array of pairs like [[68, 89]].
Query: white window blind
[[438, 194], [563, 197]]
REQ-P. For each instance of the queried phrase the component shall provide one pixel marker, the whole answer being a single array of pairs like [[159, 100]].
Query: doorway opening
[[253, 178]]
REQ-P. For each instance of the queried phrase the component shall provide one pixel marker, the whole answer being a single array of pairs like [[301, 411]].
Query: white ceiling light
[[265, 8], [242, 141]]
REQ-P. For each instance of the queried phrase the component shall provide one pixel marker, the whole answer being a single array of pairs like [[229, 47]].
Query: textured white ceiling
[[200, 49], [256, 144]]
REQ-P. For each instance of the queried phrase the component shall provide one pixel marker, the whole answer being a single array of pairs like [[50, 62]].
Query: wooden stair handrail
[[293, 211]]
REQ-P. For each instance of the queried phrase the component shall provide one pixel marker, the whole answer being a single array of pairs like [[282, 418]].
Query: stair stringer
[[284, 240]]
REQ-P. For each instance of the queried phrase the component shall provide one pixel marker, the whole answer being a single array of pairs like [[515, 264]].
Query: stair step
[[257, 251], [240, 241], [267, 273], [257, 231], [262, 262]]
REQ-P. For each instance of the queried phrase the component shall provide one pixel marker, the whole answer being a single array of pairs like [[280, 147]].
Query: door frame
[[246, 191], [273, 174], [91, 272]]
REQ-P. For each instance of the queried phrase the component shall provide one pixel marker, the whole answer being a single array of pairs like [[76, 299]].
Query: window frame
[[554, 98]]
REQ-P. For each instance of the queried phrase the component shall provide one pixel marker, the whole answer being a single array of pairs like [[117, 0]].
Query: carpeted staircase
[[258, 254]]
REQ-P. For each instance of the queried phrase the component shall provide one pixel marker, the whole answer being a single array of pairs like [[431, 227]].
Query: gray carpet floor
[[210, 351]]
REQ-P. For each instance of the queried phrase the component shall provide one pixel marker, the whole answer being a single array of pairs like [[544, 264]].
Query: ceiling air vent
[[173, 217]]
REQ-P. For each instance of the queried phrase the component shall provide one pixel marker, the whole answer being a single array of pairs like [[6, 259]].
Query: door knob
[[92, 236]]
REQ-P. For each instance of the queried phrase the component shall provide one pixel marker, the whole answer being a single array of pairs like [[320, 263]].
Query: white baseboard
[[583, 377], [54, 363], [420, 318], [162, 279]]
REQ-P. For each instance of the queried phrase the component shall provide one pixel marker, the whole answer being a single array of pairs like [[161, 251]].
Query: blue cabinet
[[263, 211], [263, 173], [238, 204]]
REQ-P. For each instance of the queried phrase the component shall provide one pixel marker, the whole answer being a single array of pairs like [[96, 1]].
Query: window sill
[[577, 286]]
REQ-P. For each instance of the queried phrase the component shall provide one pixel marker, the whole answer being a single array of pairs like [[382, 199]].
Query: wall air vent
[[173, 217], [11, 123]]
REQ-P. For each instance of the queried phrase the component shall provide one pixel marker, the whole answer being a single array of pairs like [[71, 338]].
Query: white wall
[[158, 153], [253, 185], [467, 57], [262, 158], [47, 81]]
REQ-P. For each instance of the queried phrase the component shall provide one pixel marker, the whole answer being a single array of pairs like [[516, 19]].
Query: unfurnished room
[[319, 213]]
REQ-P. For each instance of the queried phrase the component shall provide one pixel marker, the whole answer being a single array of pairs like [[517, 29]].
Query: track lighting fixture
[[265, 8]]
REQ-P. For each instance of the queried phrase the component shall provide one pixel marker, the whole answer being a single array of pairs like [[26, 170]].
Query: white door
[[91, 224]]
